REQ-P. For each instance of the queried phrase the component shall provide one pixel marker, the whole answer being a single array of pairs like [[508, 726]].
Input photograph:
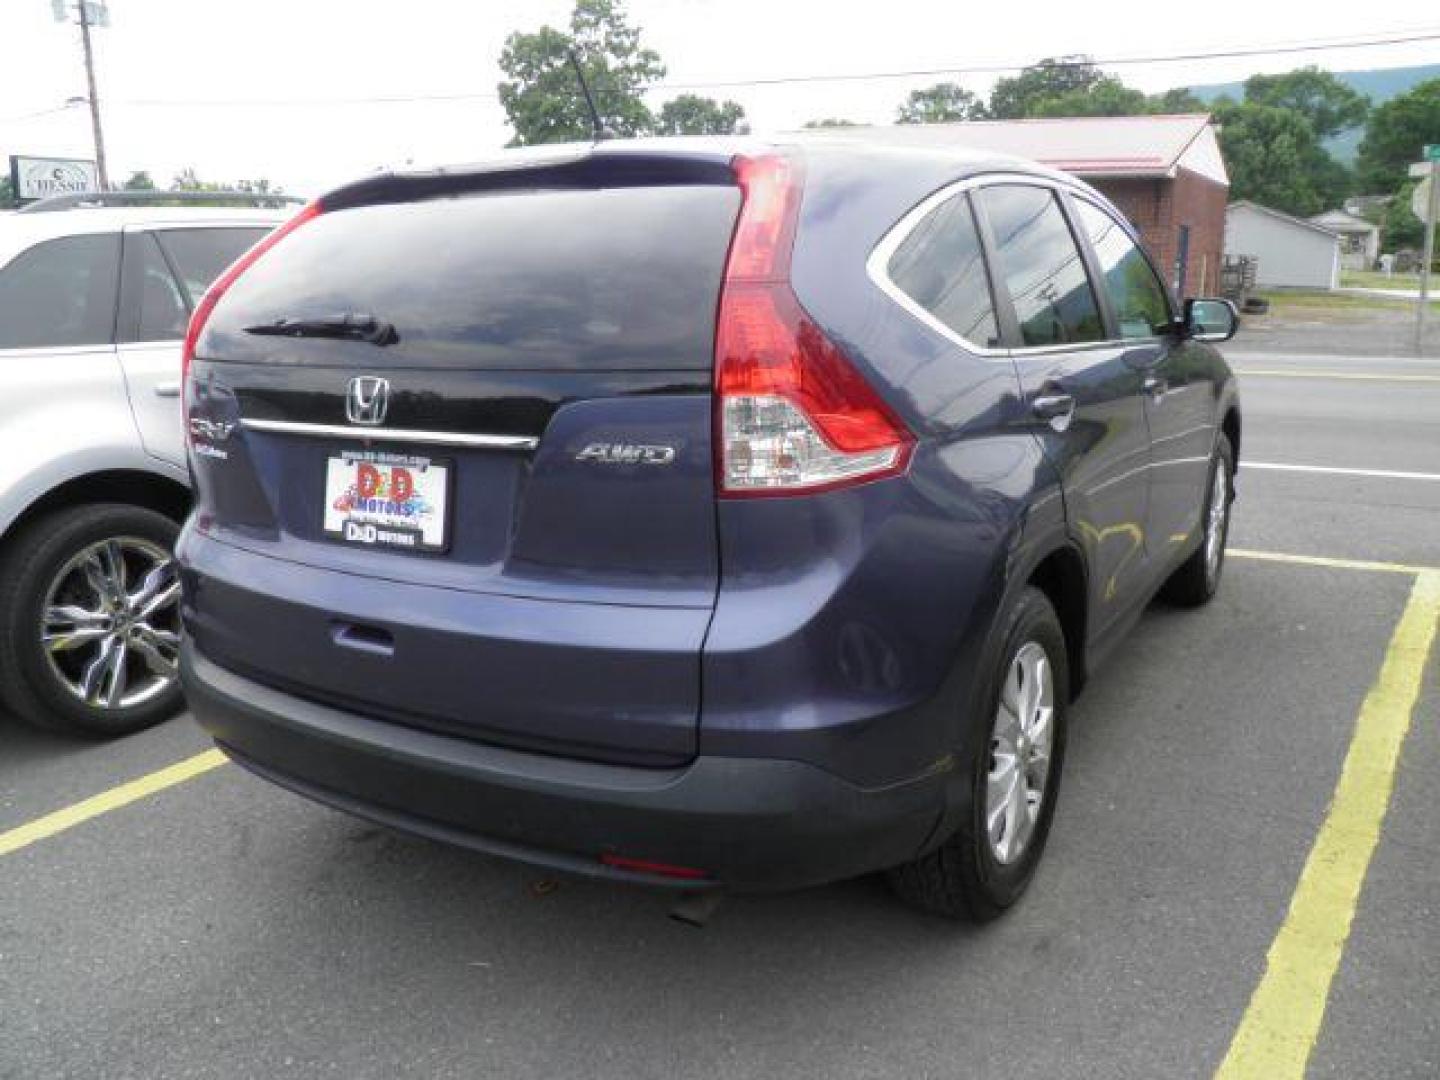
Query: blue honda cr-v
[[712, 514]]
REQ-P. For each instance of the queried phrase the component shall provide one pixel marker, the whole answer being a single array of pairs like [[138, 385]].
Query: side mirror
[[1210, 320]]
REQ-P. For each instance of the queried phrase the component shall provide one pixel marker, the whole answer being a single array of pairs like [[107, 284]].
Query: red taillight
[[217, 289], [792, 414], [647, 866]]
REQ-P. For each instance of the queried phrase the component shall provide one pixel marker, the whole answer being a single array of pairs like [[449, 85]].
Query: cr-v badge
[[626, 454], [368, 400]]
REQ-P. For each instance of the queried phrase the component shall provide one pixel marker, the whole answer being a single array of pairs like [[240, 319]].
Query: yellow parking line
[[116, 797], [1330, 564], [1282, 1021], [1372, 376]]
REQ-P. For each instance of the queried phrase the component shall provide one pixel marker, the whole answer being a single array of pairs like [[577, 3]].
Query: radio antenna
[[597, 128]]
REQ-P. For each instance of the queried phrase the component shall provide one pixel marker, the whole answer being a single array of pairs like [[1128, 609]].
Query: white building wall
[[1290, 255]]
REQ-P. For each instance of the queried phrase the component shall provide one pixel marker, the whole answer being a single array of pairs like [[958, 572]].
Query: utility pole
[[84, 8], [1432, 212]]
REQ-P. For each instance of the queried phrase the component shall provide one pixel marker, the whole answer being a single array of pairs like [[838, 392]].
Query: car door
[[62, 387], [165, 271], [1084, 397], [1179, 392]]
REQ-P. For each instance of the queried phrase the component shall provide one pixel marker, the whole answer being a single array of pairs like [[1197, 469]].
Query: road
[[223, 928]]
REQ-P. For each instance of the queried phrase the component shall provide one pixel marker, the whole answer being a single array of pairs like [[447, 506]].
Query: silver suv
[[95, 296]]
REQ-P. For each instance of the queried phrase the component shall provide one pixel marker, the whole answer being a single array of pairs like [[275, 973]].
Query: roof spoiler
[[600, 167]]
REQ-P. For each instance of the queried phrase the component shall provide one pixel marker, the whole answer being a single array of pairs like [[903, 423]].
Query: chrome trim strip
[[434, 438], [877, 266]]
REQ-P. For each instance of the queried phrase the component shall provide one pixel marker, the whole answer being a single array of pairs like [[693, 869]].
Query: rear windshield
[[617, 278]]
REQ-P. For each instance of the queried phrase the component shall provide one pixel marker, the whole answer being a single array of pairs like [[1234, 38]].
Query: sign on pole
[[1420, 197], [1426, 204], [97, 12], [39, 178]]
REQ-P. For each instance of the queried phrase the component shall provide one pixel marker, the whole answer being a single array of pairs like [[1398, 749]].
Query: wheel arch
[[135, 487], [1061, 576]]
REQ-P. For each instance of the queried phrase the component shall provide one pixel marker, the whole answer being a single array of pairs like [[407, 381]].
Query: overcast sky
[[247, 88]]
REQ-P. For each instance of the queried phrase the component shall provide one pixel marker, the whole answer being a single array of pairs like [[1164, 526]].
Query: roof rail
[[85, 200]]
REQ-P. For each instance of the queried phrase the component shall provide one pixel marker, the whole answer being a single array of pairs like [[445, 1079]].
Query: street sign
[[1420, 170], [96, 12], [1432, 152], [39, 178], [1420, 198]]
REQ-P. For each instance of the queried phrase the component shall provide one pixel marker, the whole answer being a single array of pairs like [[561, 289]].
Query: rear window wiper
[[350, 326]]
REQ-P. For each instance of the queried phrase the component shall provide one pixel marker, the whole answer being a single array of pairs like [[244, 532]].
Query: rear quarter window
[[618, 278], [61, 293], [941, 267], [199, 255]]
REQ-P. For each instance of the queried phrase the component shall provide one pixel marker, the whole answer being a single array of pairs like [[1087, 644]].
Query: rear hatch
[[452, 444]]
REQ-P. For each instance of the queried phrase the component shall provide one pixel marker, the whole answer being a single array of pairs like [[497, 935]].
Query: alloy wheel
[[110, 625], [1020, 746], [1215, 522]]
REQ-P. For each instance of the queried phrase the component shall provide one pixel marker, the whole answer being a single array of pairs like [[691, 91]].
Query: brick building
[[1164, 172]]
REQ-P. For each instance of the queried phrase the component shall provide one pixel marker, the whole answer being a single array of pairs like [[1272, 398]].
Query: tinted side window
[[199, 255], [941, 267], [163, 310], [60, 292], [1041, 266], [1135, 293]]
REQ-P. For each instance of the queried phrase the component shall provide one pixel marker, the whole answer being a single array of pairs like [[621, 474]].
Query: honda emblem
[[368, 400]]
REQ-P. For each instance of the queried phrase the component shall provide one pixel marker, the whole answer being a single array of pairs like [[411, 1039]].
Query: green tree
[[1325, 101], [187, 180], [831, 122], [1106, 97], [139, 181], [1273, 157], [1016, 96], [943, 103], [1176, 100], [540, 94], [7, 193], [1397, 131], [259, 186], [691, 114], [1400, 227]]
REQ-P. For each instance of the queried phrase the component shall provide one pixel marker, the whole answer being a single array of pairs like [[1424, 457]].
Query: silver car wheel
[[1020, 744], [110, 626], [1215, 521]]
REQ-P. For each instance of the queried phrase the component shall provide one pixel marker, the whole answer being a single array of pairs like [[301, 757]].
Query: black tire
[[29, 564], [963, 878], [1196, 581]]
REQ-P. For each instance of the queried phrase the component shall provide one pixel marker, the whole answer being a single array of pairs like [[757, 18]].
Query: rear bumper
[[748, 823]]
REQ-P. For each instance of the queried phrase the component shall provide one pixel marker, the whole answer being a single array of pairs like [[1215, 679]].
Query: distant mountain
[[1377, 84]]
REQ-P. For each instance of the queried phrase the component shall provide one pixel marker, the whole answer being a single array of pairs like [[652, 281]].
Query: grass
[[1373, 279], [1317, 301]]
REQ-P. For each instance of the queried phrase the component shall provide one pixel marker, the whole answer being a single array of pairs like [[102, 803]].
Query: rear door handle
[[167, 389], [361, 638], [1056, 408]]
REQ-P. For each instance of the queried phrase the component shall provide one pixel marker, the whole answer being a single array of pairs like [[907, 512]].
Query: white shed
[[1359, 238], [1289, 251]]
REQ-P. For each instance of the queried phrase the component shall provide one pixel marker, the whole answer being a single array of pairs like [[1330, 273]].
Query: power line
[[1281, 49], [1118, 61]]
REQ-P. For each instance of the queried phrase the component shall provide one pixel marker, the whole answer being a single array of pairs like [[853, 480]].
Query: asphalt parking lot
[[222, 928]]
